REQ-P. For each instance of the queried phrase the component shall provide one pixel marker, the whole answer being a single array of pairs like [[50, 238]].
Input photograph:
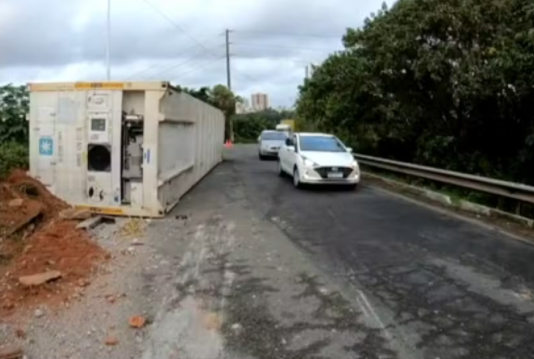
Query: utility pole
[[228, 74], [229, 82], [108, 45], [307, 72]]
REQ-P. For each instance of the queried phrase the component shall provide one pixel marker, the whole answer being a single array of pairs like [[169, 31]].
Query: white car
[[318, 158], [270, 142]]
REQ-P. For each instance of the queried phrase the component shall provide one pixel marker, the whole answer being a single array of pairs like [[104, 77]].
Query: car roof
[[315, 134]]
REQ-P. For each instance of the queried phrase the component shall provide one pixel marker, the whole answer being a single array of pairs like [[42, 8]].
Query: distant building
[[260, 102], [242, 107]]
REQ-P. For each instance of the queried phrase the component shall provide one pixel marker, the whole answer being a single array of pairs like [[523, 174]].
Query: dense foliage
[[13, 128], [247, 127], [446, 83]]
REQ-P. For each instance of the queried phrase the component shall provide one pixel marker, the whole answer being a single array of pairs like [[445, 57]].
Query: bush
[[12, 155]]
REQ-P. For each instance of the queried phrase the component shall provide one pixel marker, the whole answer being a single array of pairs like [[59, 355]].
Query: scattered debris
[[237, 327], [212, 321], [89, 223], [137, 242], [109, 219], [137, 322], [75, 214], [11, 353], [40, 278], [38, 313], [111, 340], [20, 333], [134, 227], [11, 220], [84, 282], [17, 202]]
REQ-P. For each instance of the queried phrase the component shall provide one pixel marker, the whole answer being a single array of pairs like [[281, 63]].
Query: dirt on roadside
[[34, 239]]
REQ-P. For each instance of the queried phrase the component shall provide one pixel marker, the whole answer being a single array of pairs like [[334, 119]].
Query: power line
[[154, 65], [282, 46], [181, 29], [174, 67], [202, 66], [177, 65], [172, 22], [289, 34]]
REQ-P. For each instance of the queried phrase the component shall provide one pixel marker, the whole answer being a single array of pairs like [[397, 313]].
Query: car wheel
[[296, 178], [261, 157], [281, 172], [352, 187]]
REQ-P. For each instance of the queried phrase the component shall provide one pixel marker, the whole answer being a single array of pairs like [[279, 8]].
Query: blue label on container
[[46, 146]]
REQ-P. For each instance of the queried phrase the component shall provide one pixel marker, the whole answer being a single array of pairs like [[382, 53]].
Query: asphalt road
[[434, 285]]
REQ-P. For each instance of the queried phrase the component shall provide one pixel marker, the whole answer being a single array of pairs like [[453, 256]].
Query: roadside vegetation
[[13, 128], [444, 83]]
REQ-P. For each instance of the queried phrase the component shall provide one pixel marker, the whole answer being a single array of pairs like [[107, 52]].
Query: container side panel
[[204, 147], [175, 147]]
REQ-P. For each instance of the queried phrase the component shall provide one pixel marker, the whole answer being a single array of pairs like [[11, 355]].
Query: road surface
[[262, 270]]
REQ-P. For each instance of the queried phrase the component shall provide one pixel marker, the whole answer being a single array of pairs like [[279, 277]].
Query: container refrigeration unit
[[124, 148]]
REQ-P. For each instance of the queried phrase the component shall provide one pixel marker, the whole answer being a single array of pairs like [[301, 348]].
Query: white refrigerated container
[[126, 148]]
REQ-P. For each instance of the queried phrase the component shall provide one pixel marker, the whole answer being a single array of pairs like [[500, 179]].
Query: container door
[[47, 149], [104, 111]]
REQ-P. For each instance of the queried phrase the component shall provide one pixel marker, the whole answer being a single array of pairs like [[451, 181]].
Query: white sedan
[[318, 158]]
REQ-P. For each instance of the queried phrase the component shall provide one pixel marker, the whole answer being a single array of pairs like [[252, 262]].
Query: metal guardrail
[[507, 189]]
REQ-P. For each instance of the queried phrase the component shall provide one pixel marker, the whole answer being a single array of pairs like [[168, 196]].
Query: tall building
[[260, 102]]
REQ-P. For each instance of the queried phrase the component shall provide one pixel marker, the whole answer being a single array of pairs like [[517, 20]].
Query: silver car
[[270, 142]]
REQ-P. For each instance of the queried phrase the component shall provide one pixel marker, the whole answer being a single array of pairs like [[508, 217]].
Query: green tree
[[14, 105], [446, 83]]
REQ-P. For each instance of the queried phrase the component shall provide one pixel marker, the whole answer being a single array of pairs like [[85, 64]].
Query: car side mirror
[[349, 149], [291, 148], [288, 142]]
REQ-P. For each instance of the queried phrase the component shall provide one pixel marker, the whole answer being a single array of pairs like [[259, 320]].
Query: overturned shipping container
[[131, 148]]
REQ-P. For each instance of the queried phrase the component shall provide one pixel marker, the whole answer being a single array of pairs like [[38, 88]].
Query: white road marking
[[375, 316]]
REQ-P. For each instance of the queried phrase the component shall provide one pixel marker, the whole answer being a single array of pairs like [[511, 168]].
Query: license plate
[[335, 175]]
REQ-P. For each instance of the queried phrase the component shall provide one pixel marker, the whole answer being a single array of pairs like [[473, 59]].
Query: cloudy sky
[[177, 40]]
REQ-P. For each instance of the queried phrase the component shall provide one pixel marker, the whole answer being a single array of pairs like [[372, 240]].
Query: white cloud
[[65, 40]]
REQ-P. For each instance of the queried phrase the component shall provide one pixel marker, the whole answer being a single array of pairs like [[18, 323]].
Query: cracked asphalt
[[262, 270]]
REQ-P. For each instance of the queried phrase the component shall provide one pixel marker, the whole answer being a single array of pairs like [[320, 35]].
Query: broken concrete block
[[89, 223], [39, 278], [11, 353], [15, 203], [75, 214]]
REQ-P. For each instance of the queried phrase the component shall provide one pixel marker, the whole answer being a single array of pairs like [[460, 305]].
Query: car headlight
[[308, 163], [354, 165]]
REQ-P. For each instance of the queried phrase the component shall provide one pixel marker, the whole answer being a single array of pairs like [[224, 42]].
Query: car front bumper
[[269, 152], [310, 176]]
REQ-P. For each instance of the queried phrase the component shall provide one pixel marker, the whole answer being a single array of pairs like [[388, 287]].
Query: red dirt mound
[[60, 247], [27, 187], [34, 240]]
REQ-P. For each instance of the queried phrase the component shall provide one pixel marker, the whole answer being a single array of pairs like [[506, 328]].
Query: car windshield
[[321, 144], [273, 136]]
